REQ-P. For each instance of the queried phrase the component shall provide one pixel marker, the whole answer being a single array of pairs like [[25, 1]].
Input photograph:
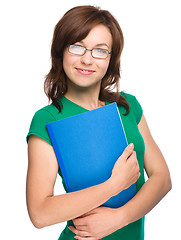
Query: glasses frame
[[86, 49]]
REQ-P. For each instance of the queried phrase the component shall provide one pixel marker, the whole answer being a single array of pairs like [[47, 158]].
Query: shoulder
[[40, 119], [134, 104], [47, 112], [44, 115]]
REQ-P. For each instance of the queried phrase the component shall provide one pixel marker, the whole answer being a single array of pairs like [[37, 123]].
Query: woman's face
[[86, 71]]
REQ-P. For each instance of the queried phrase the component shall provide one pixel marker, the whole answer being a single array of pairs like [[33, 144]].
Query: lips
[[85, 71]]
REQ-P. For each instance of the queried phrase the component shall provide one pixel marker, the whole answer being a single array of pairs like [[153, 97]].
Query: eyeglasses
[[96, 52]]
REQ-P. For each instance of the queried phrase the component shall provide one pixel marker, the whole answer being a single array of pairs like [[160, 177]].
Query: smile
[[85, 71]]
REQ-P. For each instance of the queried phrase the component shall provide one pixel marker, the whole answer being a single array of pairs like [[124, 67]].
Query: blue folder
[[87, 146]]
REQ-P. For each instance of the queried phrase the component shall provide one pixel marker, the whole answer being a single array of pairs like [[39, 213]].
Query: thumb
[[128, 151]]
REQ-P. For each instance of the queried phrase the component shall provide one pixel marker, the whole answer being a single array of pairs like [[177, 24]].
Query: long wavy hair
[[73, 27]]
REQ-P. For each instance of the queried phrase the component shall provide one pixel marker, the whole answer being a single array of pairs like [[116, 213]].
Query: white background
[[150, 70]]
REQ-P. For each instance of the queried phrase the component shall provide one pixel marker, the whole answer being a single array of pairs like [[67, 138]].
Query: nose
[[87, 58]]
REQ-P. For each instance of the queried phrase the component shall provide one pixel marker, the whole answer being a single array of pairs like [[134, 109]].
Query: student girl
[[85, 54]]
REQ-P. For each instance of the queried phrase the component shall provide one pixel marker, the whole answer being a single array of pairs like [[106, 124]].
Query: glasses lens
[[76, 49], [100, 53]]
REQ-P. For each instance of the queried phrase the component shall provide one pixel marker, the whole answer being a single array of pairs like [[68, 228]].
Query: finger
[[80, 221], [72, 229], [128, 151], [85, 238], [79, 233], [81, 228]]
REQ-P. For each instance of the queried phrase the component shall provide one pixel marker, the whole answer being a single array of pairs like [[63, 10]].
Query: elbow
[[168, 184], [40, 219], [37, 221], [37, 224], [37, 218]]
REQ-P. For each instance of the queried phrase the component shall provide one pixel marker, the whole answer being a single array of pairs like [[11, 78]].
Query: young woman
[[86, 50]]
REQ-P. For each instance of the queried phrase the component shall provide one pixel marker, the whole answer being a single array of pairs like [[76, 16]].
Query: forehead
[[99, 34]]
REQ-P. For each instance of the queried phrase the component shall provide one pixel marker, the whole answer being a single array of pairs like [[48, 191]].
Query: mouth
[[85, 71]]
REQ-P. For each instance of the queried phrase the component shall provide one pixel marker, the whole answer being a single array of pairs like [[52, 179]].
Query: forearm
[[46, 209], [56, 209], [146, 199]]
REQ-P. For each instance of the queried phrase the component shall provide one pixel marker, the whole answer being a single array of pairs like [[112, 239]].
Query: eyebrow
[[98, 45], [102, 44]]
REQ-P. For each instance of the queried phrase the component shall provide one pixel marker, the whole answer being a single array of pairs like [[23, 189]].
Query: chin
[[85, 83]]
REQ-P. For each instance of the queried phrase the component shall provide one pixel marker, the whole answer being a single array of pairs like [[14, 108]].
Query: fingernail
[[131, 145]]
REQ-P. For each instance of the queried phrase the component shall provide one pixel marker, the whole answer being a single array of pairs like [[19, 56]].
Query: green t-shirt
[[135, 230]]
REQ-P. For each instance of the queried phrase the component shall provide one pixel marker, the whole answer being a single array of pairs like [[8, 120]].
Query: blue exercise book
[[87, 146]]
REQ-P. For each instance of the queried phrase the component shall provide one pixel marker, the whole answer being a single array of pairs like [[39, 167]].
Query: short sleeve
[[137, 110], [135, 107], [38, 125]]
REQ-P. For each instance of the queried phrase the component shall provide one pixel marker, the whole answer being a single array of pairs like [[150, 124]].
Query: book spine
[[58, 156], [122, 124], [133, 186]]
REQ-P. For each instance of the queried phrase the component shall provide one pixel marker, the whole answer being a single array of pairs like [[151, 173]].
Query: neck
[[85, 97]]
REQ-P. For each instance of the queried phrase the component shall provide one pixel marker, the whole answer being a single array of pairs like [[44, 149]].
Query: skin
[[84, 89], [158, 184], [91, 221]]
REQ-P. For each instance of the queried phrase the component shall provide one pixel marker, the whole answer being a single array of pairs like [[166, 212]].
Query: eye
[[76, 49], [100, 53]]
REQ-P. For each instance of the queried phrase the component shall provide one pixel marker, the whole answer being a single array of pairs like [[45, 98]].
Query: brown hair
[[73, 27]]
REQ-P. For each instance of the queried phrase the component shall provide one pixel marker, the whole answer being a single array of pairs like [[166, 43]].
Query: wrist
[[114, 186], [122, 216]]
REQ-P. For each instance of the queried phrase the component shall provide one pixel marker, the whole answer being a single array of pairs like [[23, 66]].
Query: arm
[[158, 184], [46, 209], [103, 221]]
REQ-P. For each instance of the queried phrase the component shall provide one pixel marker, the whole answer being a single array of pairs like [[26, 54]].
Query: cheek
[[104, 66], [66, 62]]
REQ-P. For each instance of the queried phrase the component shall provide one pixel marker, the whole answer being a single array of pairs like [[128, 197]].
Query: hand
[[96, 224], [126, 169]]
